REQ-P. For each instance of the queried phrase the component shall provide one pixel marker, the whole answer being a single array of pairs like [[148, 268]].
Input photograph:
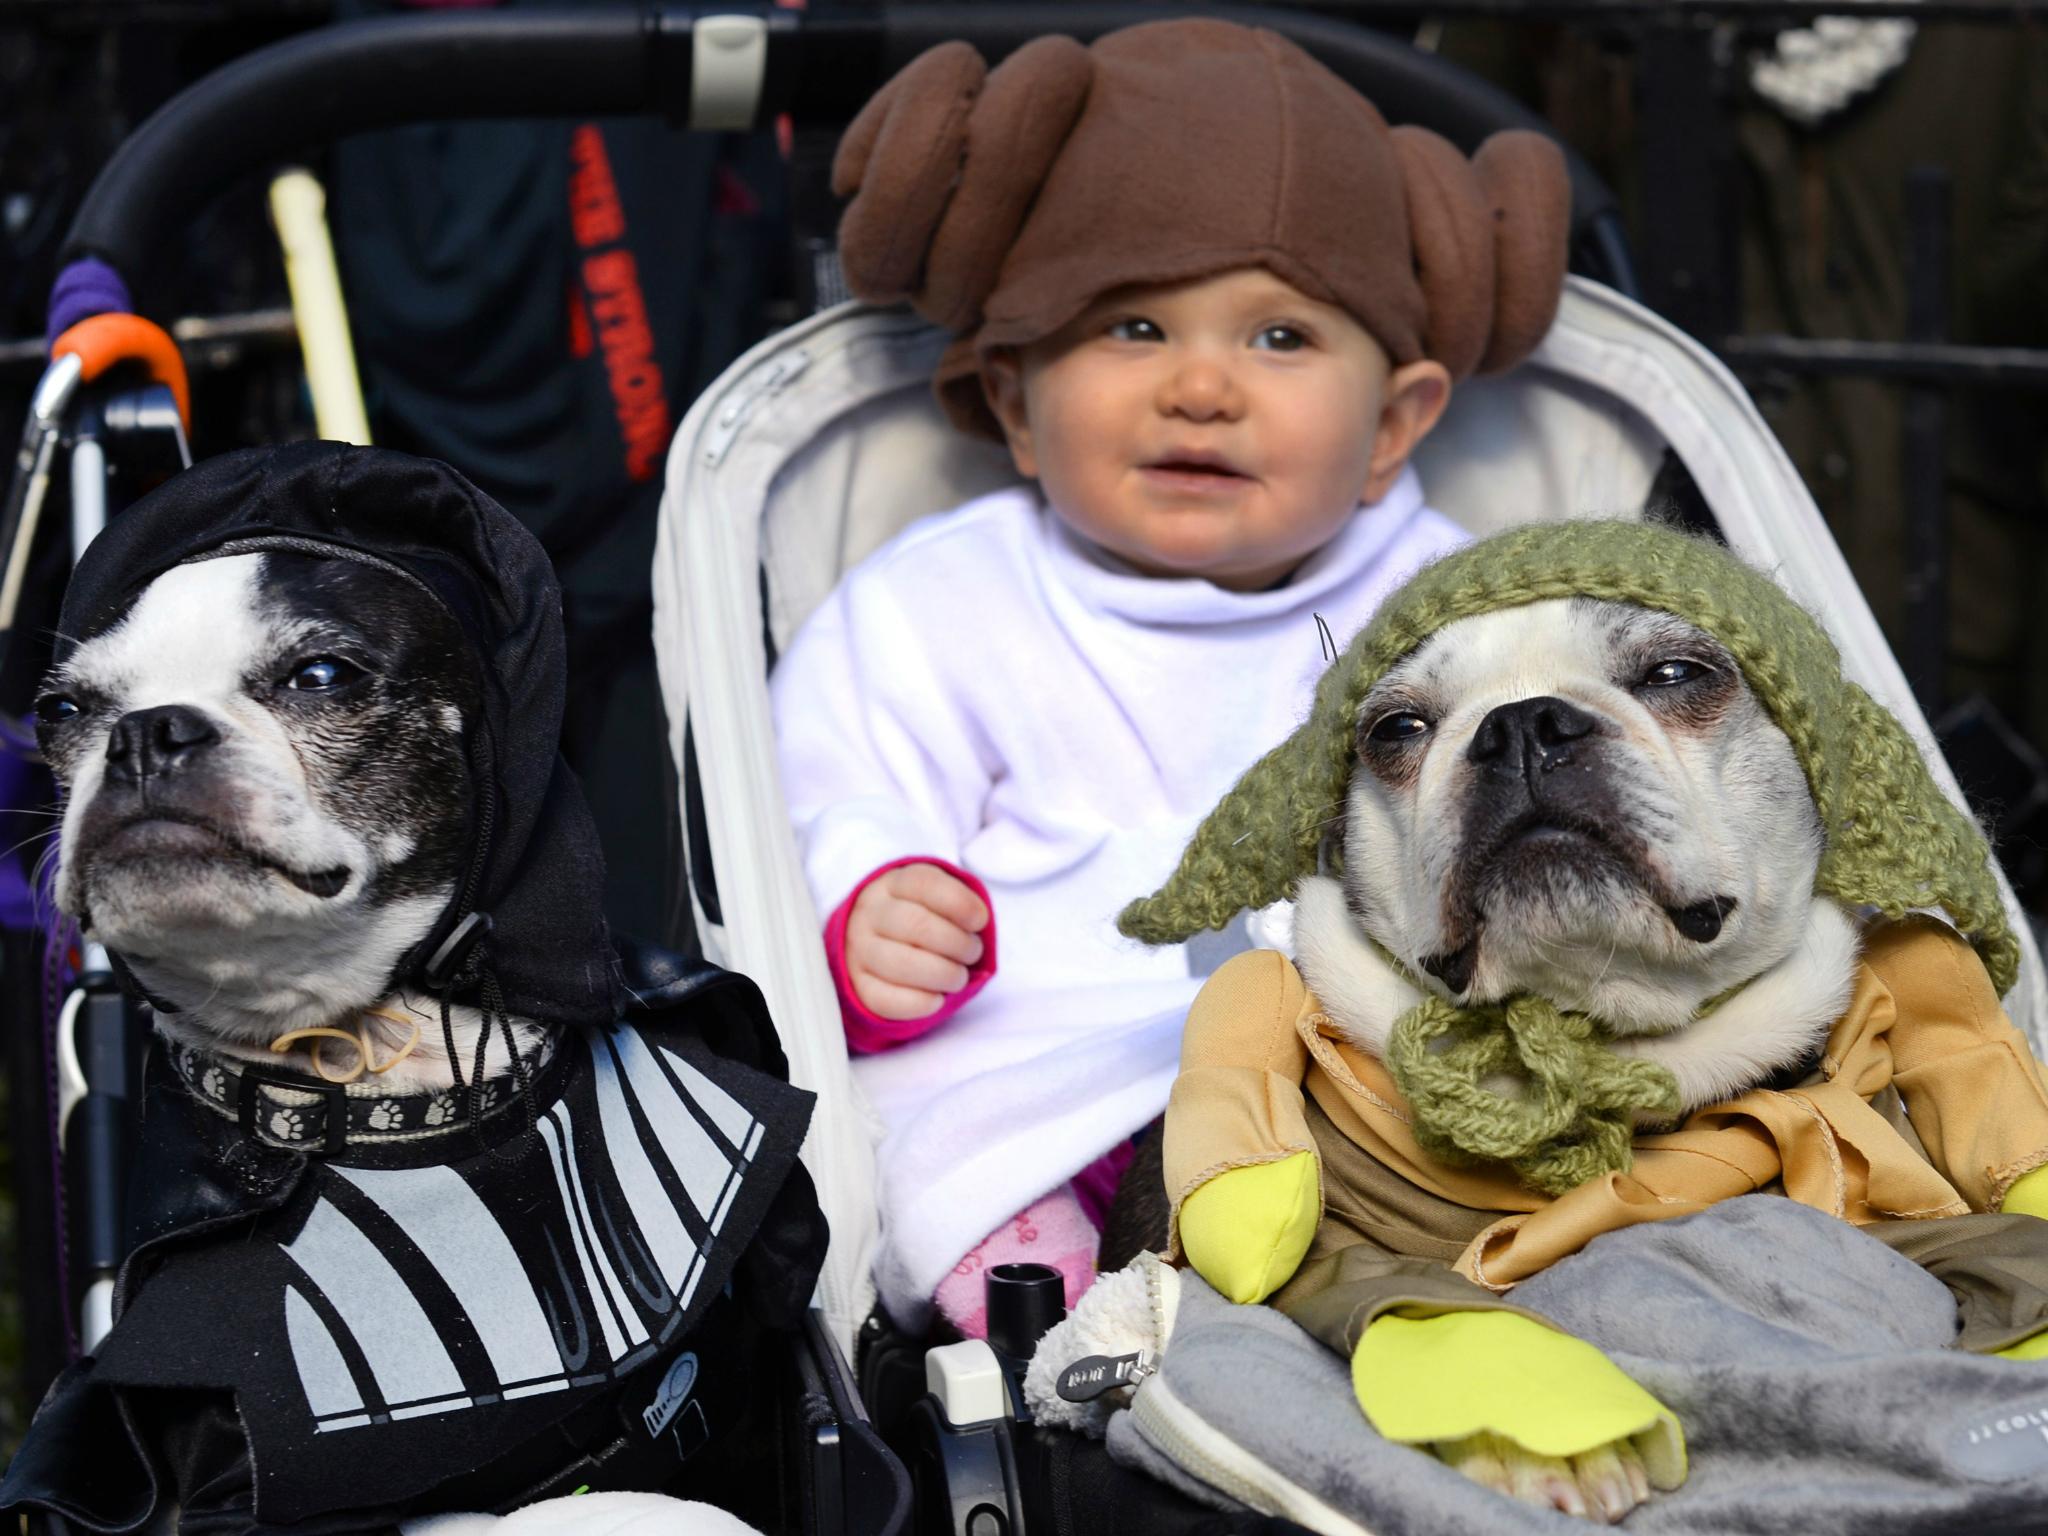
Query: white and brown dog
[[1583, 800], [1629, 922]]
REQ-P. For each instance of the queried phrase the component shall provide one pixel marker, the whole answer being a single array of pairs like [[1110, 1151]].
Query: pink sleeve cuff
[[867, 1033]]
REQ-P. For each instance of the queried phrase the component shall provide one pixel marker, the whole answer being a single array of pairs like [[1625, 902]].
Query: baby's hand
[[910, 938]]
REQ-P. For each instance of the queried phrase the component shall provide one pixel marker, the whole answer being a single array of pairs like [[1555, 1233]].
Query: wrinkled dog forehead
[[192, 637], [1560, 645], [210, 632]]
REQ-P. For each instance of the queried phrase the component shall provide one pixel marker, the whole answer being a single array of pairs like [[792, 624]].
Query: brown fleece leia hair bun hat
[[1000, 203]]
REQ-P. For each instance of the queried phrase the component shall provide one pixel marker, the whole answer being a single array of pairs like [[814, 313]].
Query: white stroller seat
[[823, 441]]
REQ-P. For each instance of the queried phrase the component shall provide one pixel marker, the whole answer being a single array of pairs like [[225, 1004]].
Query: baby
[[1211, 303]]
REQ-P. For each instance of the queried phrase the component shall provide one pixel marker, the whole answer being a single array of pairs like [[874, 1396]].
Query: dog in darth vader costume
[[443, 1202]]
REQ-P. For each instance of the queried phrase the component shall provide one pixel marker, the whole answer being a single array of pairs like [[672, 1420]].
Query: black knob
[[1024, 1300]]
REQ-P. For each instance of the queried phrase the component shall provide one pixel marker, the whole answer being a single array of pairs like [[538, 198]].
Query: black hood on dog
[[539, 873]]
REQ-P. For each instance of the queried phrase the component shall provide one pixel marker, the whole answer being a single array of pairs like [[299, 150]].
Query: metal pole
[[1689, 254], [1928, 198]]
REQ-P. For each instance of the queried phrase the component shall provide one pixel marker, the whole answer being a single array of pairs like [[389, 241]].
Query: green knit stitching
[[1893, 841], [1573, 1117]]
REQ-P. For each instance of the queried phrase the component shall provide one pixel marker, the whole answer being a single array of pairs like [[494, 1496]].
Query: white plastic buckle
[[967, 1379], [728, 63]]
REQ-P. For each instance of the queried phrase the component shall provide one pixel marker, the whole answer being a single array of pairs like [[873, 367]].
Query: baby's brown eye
[[1136, 330], [1280, 338], [1398, 729]]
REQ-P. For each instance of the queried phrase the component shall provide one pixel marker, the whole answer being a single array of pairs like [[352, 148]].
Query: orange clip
[[106, 341]]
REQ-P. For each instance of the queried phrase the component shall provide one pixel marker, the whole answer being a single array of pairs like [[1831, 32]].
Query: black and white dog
[[268, 808], [432, 1206]]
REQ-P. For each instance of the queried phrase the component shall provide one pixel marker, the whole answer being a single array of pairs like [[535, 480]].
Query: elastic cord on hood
[[538, 871]]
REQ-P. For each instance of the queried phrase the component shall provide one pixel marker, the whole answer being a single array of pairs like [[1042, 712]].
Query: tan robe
[[1926, 1103]]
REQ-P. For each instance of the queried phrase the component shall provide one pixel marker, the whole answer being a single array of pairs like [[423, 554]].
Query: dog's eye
[[1669, 674], [1398, 728], [322, 674], [56, 708]]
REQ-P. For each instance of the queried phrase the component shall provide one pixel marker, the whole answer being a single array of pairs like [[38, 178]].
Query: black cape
[[322, 1345]]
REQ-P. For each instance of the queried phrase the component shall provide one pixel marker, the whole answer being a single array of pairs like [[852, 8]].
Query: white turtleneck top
[[990, 689]]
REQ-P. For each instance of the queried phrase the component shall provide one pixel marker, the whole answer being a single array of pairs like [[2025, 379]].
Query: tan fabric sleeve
[[1996, 1267], [1971, 1086], [1237, 1100]]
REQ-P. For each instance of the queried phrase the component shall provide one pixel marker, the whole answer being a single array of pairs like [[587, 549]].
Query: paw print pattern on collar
[[291, 1116]]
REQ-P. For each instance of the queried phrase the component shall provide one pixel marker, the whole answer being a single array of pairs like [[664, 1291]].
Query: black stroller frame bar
[[303, 93], [1687, 12], [819, 66]]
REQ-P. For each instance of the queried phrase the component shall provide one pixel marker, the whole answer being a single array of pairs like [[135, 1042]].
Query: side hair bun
[[1451, 229], [1529, 193], [1490, 236], [943, 167], [899, 161]]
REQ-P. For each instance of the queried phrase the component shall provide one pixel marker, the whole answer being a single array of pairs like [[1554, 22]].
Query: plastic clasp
[[728, 67], [967, 1379], [446, 960]]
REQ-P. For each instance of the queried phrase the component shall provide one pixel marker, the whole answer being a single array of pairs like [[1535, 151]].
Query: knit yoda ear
[[1897, 843], [1262, 836]]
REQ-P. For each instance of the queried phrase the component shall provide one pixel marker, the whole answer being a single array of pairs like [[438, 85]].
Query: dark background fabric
[[484, 278]]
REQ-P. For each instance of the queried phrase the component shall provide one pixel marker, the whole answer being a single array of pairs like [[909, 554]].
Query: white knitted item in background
[[1813, 72], [1120, 1315], [590, 1514]]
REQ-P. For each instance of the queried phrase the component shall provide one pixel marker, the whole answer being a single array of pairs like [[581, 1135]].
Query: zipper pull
[[1093, 1375], [725, 428]]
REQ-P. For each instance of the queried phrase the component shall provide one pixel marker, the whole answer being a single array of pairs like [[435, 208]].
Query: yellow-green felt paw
[[1447, 1377], [1245, 1230]]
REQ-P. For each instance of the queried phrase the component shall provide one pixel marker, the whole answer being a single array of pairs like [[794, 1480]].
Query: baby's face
[[1224, 428]]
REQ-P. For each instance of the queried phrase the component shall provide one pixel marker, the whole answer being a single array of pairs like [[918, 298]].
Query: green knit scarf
[[1893, 842], [1574, 1115]]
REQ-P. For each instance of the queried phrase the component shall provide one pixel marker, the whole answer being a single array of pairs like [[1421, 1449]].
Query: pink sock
[[1053, 1229]]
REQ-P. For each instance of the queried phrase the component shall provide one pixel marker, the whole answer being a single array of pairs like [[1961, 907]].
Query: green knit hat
[[1894, 841]]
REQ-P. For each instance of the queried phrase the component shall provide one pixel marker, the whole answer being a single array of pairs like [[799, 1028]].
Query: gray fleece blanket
[[1807, 1362]]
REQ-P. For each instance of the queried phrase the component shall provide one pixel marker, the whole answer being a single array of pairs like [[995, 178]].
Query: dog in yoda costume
[[1605, 885]]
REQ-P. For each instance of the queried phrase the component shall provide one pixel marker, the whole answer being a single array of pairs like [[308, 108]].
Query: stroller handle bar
[[707, 67]]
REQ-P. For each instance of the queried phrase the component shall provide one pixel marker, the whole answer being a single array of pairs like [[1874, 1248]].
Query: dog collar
[[285, 1109]]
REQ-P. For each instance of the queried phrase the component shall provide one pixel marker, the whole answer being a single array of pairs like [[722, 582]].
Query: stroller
[[825, 441], [821, 442]]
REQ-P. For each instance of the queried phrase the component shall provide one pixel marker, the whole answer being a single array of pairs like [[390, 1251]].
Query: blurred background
[[1852, 210]]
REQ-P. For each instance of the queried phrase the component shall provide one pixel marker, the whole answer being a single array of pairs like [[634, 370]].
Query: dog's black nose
[[150, 743], [1530, 733]]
